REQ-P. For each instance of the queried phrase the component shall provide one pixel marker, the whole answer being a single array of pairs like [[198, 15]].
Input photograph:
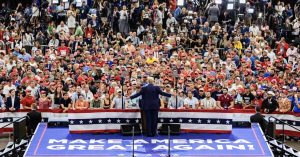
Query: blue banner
[[58, 142]]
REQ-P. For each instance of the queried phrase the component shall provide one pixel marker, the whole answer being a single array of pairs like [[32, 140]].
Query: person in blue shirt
[[2, 105], [24, 55], [295, 101]]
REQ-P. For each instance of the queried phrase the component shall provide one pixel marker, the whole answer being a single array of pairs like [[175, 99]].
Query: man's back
[[34, 118], [150, 97], [258, 118]]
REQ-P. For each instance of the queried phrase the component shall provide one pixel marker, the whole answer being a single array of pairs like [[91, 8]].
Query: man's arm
[[6, 105], [197, 105], [277, 105], [214, 104], [62, 106], [219, 105], [231, 105], [17, 105], [112, 103], [137, 94], [186, 104], [26, 107], [163, 93]]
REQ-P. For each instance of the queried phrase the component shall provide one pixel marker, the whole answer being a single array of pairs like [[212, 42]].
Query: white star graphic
[[227, 121], [100, 120], [199, 120], [171, 120], [294, 123], [80, 121], [137, 120], [43, 120], [127, 120], [161, 120], [190, 120], [109, 121], [90, 121], [286, 122], [71, 122], [180, 120], [218, 121], [1, 120], [118, 121], [8, 119], [208, 121]]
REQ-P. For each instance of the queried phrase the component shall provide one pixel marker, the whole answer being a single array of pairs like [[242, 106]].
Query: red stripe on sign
[[161, 110], [6, 130], [288, 133]]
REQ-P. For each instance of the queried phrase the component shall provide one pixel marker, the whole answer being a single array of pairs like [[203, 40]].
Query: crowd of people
[[75, 55]]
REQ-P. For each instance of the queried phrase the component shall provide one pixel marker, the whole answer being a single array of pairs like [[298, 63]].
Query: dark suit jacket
[[33, 119], [259, 118], [150, 97], [271, 106], [8, 103]]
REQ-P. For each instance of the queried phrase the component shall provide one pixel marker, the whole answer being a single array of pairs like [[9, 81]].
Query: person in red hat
[[28, 100]]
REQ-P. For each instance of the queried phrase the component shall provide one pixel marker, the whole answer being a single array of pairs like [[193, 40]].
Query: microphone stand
[[132, 141], [175, 74], [108, 82], [122, 84], [169, 142], [176, 89]]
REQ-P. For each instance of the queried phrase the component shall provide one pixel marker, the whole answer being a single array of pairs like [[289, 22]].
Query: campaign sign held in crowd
[[47, 143]]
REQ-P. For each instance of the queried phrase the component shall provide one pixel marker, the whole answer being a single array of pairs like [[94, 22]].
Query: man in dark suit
[[150, 104], [34, 117], [259, 118], [13, 101]]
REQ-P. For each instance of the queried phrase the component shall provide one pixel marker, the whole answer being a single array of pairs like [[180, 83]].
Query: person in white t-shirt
[[254, 29], [191, 102], [208, 102], [8, 87], [62, 27], [33, 88], [292, 53], [87, 94]]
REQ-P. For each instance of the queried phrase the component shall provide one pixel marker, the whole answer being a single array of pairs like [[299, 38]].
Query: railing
[[275, 147], [283, 136], [14, 142]]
